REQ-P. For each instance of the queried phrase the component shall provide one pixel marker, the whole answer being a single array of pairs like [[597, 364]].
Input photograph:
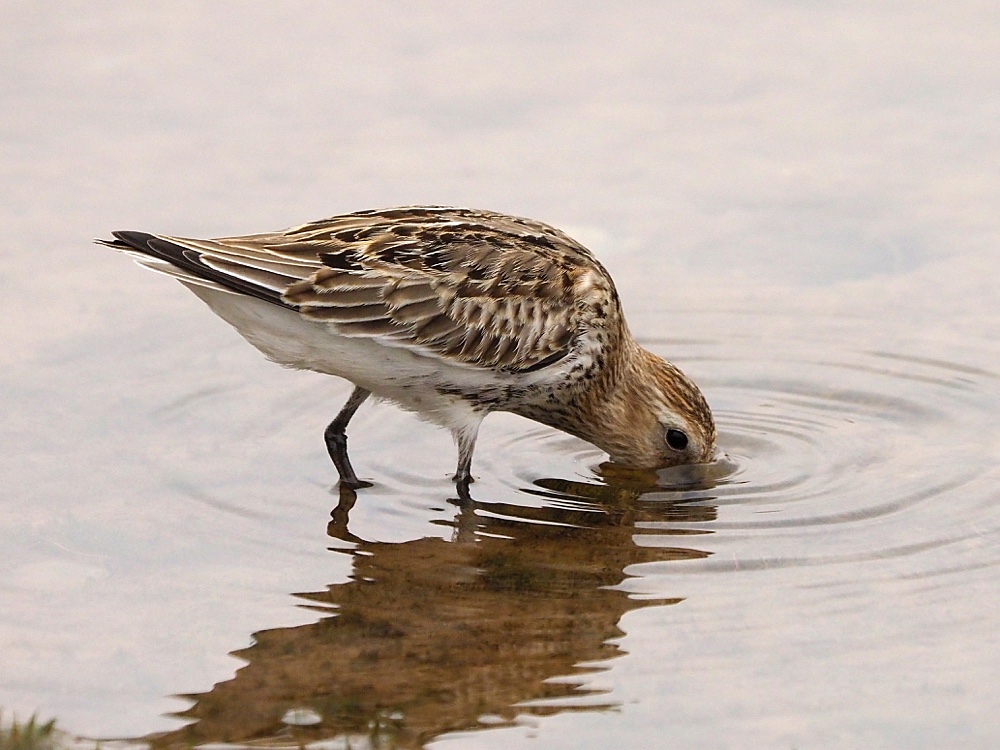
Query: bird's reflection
[[431, 636]]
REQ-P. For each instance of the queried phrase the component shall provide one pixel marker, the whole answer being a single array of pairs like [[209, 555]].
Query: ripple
[[829, 455], [832, 462]]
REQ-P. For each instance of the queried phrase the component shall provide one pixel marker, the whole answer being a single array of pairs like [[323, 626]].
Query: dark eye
[[677, 440]]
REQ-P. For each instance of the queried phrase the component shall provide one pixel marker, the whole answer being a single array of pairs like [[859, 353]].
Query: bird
[[451, 313]]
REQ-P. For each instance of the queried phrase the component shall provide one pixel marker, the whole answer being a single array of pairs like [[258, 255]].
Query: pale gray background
[[833, 160]]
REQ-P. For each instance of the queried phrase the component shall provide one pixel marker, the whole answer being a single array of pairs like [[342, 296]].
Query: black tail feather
[[189, 260]]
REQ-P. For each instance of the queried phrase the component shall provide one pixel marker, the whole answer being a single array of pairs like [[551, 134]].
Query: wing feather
[[405, 294], [416, 312], [438, 327], [249, 274], [475, 287], [345, 314]]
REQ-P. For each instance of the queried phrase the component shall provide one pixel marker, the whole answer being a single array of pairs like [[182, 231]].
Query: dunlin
[[451, 313]]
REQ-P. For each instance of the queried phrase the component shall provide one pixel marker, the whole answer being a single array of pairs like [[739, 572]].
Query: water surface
[[798, 208]]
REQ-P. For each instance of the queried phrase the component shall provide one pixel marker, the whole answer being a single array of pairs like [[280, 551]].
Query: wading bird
[[450, 313]]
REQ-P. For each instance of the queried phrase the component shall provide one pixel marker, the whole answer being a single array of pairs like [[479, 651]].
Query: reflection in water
[[432, 636]]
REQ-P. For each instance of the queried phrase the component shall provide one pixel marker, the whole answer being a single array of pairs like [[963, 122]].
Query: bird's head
[[655, 416]]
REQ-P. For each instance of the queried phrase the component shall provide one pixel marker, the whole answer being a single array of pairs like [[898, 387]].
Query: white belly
[[394, 373]]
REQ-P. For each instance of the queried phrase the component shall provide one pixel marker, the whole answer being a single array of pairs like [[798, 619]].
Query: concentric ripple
[[828, 453]]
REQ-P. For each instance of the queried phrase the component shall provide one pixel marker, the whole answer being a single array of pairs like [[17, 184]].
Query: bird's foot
[[353, 483]]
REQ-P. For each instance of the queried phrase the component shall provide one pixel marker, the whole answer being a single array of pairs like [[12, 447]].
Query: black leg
[[466, 440], [336, 439]]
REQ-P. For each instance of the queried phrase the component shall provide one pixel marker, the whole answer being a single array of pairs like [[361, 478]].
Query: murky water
[[176, 564]]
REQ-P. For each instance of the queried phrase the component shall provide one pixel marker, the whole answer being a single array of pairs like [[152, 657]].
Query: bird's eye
[[677, 440]]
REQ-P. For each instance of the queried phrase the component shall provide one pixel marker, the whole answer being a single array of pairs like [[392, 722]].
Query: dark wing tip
[[137, 240], [190, 261], [122, 240], [159, 248]]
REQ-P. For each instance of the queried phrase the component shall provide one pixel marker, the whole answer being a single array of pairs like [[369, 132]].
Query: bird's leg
[[466, 439], [336, 439]]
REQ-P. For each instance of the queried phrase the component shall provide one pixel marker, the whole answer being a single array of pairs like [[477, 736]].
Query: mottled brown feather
[[476, 287]]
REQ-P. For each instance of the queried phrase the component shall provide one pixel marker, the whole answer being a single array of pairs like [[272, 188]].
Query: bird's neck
[[600, 406]]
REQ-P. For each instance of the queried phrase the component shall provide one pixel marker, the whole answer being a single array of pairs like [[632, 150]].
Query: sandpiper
[[451, 313]]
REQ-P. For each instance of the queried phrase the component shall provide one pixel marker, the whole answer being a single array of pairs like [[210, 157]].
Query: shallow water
[[169, 523]]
